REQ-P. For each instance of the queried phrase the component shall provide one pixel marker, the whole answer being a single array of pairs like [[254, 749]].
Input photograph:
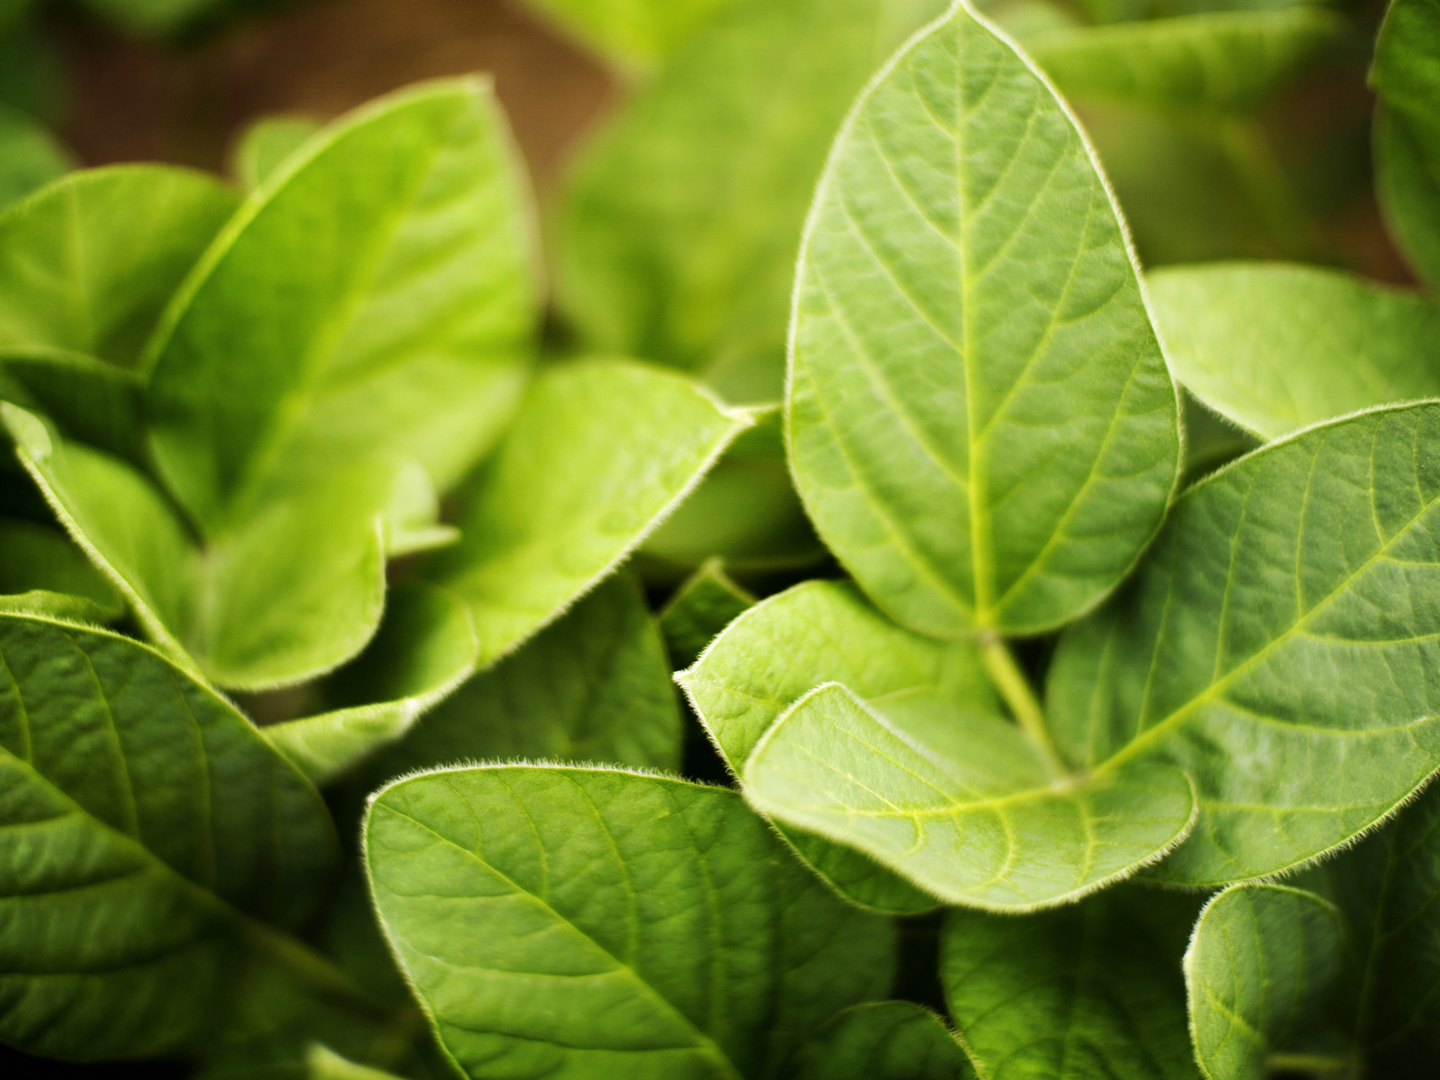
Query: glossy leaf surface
[[886, 1040], [1279, 346], [980, 420], [574, 923], [1282, 630]]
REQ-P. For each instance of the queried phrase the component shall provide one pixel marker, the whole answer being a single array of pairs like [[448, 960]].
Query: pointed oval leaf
[[146, 826], [1257, 972], [700, 609], [374, 298], [821, 632], [1279, 346], [568, 922], [980, 420], [886, 1040], [974, 819], [1285, 626]]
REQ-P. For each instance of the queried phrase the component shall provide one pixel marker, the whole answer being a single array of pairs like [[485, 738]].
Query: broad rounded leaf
[[1278, 346], [1280, 643], [980, 420], [568, 923], [146, 824], [886, 1040]]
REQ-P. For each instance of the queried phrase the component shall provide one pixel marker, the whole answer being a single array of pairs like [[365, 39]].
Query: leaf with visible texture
[[1284, 629], [1221, 62], [678, 233], [886, 1040], [266, 144], [564, 922], [700, 609], [1279, 346], [634, 33], [820, 632], [42, 572], [1257, 972], [375, 299], [148, 832], [425, 648], [1091, 990], [30, 157], [980, 420], [599, 454]]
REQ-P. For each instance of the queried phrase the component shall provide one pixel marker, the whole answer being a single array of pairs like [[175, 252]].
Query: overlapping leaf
[[266, 144], [980, 420], [707, 603], [1278, 346], [886, 1040], [40, 571], [570, 922], [1279, 644]]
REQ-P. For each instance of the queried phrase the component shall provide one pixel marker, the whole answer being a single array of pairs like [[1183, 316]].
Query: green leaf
[[575, 922], [699, 611], [821, 632], [1278, 346], [213, 609], [266, 144], [980, 420], [1091, 990], [886, 1040], [634, 33], [969, 814], [30, 157], [148, 832], [1258, 968], [599, 454], [43, 572], [425, 648], [1222, 62], [593, 686], [1406, 75], [1282, 629], [379, 292], [323, 1063], [678, 232]]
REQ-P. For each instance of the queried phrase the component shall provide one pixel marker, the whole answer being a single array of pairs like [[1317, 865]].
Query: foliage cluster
[[1067, 630]]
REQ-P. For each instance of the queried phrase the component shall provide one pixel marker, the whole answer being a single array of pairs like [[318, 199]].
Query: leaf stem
[[1015, 688]]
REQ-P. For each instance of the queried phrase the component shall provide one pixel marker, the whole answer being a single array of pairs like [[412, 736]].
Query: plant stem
[[1015, 689]]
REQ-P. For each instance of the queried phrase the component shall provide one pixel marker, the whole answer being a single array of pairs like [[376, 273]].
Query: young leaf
[[1217, 62], [42, 572], [1257, 970], [820, 632], [980, 420], [1407, 146], [593, 686], [574, 922], [885, 1040], [374, 298], [425, 648], [678, 233], [634, 33], [699, 611], [1091, 990], [1282, 630], [266, 144], [1278, 346], [970, 814], [600, 452], [146, 828], [30, 157]]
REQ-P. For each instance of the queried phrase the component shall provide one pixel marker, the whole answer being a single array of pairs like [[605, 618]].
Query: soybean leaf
[[1406, 75], [678, 232], [1282, 629], [592, 686], [968, 810], [149, 834], [266, 144], [373, 299], [699, 611], [425, 648], [566, 922], [1257, 971], [213, 608], [600, 452], [1210, 440], [980, 420], [885, 1040], [30, 157], [634, 33], [1278, 346], [820, 632], [1223, 62], [322, 1063], [43, 572], [1091, 990]]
